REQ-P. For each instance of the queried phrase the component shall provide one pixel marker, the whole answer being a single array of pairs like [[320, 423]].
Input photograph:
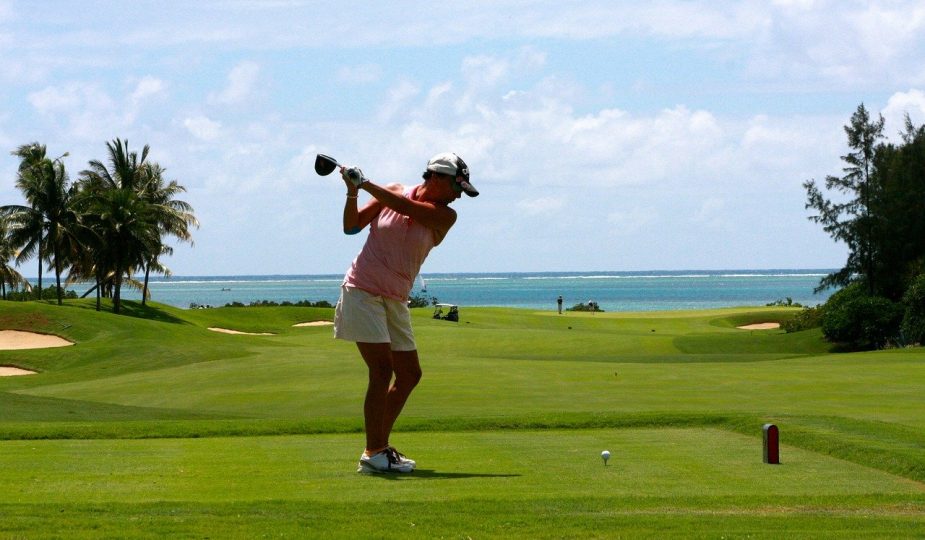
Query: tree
[[899, 206], [61, 221], [883, 224], [8, 274], [129, 208], [852, 221], [126, 232], [174, 217], [25, 222], [45, 224], [117, 215]]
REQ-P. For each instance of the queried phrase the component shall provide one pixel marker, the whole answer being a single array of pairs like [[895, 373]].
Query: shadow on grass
[[131, 308], [135, 309], [430, 474]]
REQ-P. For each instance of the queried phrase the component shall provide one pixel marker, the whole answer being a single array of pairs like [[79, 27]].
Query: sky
[[602, 135]]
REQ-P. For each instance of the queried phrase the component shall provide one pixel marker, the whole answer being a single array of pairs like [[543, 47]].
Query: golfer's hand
[[353, 176]]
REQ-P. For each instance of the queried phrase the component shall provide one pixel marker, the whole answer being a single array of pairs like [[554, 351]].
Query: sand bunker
[[315, 323], [760, 326], [16, 340], [227, 331], [10, 371]]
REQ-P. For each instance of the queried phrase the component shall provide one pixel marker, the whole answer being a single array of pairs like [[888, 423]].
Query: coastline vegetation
[[273, 303], [590, 306]]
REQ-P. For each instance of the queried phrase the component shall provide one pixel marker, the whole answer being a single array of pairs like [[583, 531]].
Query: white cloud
[[484, 70], [241, 83], [900, 103], [148, 87], [82, 111], [203, 128], [145, 91], [51, 99], [836, 42]]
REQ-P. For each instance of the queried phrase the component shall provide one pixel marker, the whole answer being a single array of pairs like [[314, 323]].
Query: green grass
[[153, 425]]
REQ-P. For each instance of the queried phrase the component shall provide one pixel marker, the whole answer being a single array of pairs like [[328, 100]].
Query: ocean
[[613, 291]]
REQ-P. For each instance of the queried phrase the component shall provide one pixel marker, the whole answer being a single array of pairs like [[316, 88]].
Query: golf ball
[[605, 455]]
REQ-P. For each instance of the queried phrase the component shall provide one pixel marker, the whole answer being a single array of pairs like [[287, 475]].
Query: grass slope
[[153, 425]]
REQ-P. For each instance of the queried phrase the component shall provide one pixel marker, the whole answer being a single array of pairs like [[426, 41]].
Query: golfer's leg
[[407, 370], [378, 358]]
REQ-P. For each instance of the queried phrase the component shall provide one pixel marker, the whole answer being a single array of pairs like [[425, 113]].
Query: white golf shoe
[[386, 461], [402, 458]]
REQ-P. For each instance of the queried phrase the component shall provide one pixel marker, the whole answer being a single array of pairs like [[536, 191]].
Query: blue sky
[[603, 135]]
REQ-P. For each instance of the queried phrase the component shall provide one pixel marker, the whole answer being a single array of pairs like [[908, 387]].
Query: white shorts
[[366, 318]]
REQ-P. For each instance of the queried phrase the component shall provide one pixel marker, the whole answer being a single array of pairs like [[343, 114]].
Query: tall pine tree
[[852, 221], [880, 214]]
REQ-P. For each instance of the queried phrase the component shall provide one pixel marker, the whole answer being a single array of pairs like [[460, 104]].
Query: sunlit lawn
[[152, 425]]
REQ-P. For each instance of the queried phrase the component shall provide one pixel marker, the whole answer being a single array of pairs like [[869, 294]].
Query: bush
[[421, 299], [808, 317], [48, 293], [788, 302], [913, 325], [590, 306], [271, 303], [861, 321]]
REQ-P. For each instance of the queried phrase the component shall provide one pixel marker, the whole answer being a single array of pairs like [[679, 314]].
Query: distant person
[[559, 301], [405, 223]]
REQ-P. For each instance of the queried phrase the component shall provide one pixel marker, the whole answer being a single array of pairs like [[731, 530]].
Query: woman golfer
[[404, 224]]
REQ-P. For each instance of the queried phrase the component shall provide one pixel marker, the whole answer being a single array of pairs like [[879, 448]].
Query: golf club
[[325, 165]]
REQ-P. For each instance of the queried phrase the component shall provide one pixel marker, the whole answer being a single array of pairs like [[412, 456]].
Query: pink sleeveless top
[[392, 255]]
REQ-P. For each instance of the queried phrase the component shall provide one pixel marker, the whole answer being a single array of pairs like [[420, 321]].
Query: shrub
[[421, 299], [590, 306], [861, 321], [271, 303], [808, 317], [913, 325], [48, 293], [785, 302]]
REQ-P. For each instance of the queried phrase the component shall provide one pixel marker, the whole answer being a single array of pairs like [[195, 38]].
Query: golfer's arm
[[439, 218], [355, 220]]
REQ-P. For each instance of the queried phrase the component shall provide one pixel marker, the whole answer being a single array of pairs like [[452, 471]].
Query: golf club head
[[325, 165]]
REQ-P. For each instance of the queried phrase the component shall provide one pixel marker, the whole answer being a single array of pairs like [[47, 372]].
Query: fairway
[[320, 468], [153, 425]]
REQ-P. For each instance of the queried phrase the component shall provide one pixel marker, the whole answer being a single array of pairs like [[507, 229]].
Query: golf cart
[[452, 313]]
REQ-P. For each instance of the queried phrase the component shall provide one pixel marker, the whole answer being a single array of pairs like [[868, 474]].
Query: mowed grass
[[152, 425]]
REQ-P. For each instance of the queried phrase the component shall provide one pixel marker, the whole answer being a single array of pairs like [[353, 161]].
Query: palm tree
[[118, 217], [127, 170], [61, 221], [8, 274], [125, 230], [174, 218], [116, 208], [26, 222], [44, 224]]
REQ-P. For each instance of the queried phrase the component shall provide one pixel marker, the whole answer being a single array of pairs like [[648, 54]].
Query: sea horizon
[[636, 290], [692, 271]]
